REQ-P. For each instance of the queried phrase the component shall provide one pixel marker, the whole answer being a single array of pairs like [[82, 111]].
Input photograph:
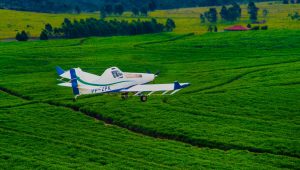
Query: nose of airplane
[[149, 77]]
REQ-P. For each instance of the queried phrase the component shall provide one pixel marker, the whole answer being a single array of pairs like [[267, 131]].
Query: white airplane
[[114, 80]]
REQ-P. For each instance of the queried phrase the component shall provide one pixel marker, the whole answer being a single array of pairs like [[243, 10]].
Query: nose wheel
[[144, 98]]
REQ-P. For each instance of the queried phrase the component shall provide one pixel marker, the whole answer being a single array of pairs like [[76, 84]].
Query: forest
[[77, 6]]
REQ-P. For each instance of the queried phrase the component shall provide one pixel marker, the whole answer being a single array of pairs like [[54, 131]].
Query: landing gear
[[144, 98], [124, 96]]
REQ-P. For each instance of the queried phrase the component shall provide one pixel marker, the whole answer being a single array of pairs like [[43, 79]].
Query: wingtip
[[178, 86]]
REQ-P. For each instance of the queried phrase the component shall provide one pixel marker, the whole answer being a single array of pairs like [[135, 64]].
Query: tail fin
[[74, 82], [59, 70]]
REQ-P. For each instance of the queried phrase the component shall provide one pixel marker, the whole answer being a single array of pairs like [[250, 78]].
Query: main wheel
[[144, 98]]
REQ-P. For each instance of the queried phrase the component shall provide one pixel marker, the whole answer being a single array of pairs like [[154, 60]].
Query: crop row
[[40, 134]]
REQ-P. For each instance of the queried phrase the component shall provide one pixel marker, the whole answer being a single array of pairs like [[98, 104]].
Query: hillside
[[241, 112], [187, 19], [94, 5]]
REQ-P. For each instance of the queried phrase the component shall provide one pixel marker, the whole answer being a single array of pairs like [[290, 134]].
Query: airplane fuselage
[[112, 80]]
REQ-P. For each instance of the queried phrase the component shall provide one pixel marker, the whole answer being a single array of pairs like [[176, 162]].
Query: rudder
[[74, 82]]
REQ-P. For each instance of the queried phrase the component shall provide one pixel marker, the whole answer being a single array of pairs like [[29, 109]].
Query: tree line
[[231, 13], [94, 27], [291, 1], [100, 27], [77, 6], [118, 9]]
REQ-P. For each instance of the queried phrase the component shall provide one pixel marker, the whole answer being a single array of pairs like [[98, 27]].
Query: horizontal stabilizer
[[65, 84], [59, 70]]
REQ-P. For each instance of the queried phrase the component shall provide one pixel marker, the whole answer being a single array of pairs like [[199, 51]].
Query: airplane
[[114, 80]]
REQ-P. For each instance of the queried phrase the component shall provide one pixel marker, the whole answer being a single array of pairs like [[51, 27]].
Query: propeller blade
[[156, 74]]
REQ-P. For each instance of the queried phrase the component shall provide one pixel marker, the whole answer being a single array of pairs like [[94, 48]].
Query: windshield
[[116, 73]]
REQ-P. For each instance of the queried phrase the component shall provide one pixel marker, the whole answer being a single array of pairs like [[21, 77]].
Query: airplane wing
[[152, 88]]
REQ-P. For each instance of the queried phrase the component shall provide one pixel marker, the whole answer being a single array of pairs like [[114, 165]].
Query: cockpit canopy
[[116, 73]]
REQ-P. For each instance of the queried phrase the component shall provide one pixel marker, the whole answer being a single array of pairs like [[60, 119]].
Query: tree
[[211, 15], [210, 28], [108, 9], [292, 1], [215, 29], [144, 11], [170, 24], [135, 11], [202, 18], [224, 13], [67, 21], [252, 11], [237, 10], [48, 27], [103, 13], [77, 9], [285, 1], [23, 36], [119, 9], [212, 2], [44, 35], [152, 6], [234, 12]]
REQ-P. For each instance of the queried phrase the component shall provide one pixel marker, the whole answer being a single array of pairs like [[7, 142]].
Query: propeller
[[156, 74]]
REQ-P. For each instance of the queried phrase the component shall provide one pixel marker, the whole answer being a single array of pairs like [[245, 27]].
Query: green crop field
[[242, 110]]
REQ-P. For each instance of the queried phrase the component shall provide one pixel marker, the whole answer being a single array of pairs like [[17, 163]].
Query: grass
[[242, 106], [241, 111], [95, 145], [187, 20]]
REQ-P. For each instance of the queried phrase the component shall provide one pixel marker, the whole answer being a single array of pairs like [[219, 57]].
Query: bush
[[170, 24], [295, 16], [264, 27], [255, 28], [23, 36], [216, 29], [44, 35]]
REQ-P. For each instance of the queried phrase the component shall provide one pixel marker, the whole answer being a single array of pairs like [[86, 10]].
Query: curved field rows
[[242, 110]]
